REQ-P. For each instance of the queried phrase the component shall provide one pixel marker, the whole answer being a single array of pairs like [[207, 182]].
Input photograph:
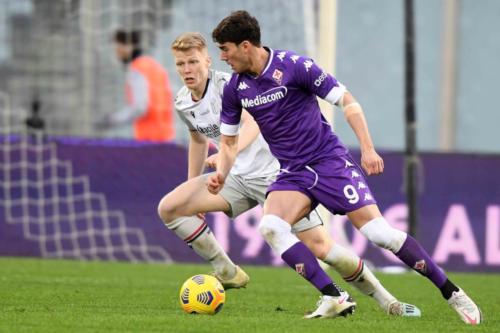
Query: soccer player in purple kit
[[279, 88], [198, 104]]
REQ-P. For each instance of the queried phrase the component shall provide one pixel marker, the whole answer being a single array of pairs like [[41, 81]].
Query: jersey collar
[[269, 61]]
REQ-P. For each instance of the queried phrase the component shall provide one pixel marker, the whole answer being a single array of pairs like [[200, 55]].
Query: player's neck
[[259, 61], [199, 92]]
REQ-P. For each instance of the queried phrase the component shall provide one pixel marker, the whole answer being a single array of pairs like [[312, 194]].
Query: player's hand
[[371, 162], [211, 161], [215, 182]]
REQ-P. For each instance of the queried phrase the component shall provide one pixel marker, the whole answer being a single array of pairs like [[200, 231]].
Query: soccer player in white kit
[[198, 104]]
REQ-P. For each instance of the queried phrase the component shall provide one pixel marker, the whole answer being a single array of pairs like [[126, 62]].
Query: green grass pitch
[[71, 296]]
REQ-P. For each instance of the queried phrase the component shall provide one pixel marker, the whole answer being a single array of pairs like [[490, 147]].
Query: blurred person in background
[[149, 109]]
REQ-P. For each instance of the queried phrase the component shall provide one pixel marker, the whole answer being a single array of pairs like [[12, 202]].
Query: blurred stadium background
[[75, 192]]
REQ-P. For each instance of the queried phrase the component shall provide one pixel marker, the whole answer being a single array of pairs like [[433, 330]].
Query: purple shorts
[[337, 183]]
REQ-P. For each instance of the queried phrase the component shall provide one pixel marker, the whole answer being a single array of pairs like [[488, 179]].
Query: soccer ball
[[202, 294]]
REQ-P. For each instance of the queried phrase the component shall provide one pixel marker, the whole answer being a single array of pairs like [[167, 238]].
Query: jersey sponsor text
[[211, 131], [269, 96]]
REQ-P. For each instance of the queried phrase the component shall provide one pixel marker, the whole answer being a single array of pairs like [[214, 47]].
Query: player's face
[[192, 66], [235, 56]]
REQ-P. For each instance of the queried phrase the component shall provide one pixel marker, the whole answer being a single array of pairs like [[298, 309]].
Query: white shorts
[[244, 194]]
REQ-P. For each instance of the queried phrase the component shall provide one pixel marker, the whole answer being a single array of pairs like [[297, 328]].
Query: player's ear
[[245, 45], [209, 61]]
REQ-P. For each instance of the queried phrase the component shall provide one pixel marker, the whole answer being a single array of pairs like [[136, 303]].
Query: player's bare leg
[[281, 210], [353, 270], [371, 223], [179, 209], [190, 198]]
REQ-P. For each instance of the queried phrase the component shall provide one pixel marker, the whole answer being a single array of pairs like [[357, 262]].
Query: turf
[[70, 296]]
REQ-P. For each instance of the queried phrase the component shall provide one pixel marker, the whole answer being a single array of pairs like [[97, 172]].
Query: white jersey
[[203, 116]]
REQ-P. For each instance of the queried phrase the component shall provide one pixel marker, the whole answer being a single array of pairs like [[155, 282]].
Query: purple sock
[[414, 255], [301, 259]]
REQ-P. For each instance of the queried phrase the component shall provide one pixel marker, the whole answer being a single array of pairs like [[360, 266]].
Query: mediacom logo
[[269, 96]]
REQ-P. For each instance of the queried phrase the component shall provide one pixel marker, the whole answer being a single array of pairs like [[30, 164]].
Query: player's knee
[[266, 229], [163, 211], [277, 233], [272, 227], [166, 210], [379, 232]]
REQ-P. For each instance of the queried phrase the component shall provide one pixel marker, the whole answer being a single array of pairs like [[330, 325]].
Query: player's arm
[[228, 148], [324, 85], [371, 162], [198, 151], [248, 132], [227, 154]]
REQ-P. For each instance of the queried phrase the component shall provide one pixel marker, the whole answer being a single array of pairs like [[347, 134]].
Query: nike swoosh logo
[[472, 321], [342, 300]]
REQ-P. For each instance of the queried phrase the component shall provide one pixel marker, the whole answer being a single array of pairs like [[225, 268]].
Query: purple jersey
[[282, 100]]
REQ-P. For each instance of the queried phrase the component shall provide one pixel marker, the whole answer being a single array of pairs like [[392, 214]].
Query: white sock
[[196, 233], [277, 233], [382, 234], [353, 270]]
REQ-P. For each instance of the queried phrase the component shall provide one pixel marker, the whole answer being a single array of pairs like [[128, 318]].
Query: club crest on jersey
[[301, 269], [277, 75], [420, 266]]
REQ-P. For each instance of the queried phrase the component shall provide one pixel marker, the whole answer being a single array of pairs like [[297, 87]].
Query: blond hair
[[188, 41]]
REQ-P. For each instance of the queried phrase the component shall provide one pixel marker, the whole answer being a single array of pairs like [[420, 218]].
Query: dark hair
[[128, 37], [236, 28]]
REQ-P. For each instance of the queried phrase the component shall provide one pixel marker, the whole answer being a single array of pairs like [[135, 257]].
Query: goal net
[[56, 209]]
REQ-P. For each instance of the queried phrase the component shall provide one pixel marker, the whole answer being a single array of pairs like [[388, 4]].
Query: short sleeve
[[231, 110], [184, 119], [220, 80], [314, 79], [183, 115]]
